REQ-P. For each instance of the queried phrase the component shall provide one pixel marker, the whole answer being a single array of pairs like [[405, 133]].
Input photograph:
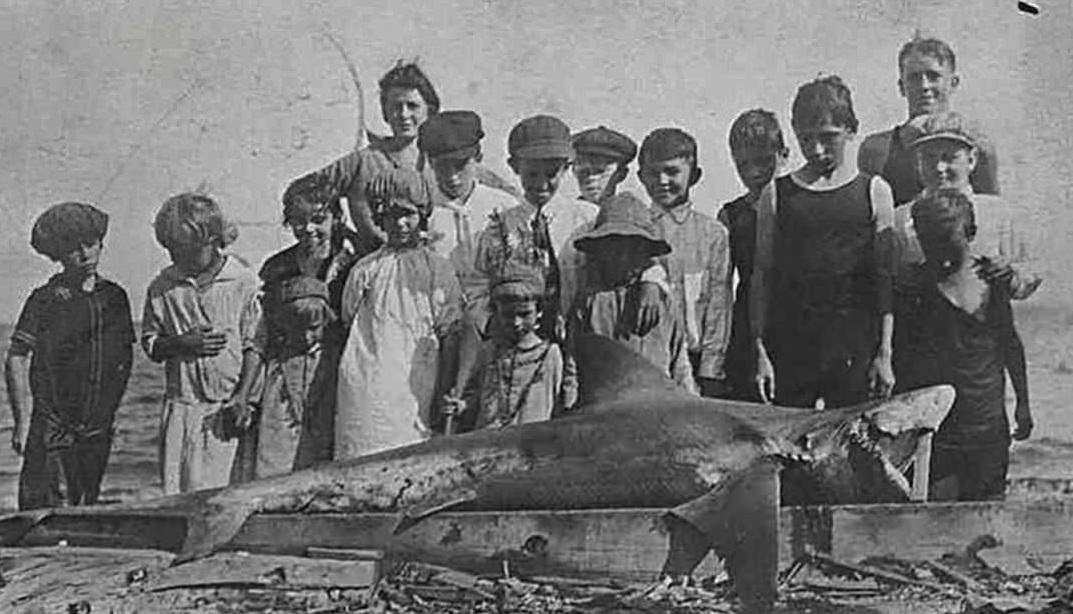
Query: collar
[[679, 213], [230, 270]]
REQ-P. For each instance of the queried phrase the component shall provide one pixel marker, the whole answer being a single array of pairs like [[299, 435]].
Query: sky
[[124, 103]]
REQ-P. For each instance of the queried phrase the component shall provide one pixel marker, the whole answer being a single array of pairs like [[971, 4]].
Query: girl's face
[[194, 259], [403, 226], [824, 146], [82, 261], [404, 110], [312, 227], [305, 335]]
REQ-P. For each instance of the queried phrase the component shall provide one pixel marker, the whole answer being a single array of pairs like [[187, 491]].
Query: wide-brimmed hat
[[624, 215]]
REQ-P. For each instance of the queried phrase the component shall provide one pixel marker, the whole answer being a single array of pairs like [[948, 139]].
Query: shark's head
[[860, 454]]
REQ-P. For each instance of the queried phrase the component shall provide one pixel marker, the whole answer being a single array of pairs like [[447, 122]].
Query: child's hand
[[453, 408], [649, 301], [202, 342], [765, 378], [1023, 417], [242, 415], [994, 270], [881, 377], [19, 434]]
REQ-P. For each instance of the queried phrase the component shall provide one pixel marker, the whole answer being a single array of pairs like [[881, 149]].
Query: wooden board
[[627, 544]]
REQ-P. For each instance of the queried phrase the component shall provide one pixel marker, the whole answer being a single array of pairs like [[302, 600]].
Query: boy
[[68, 364], [601, 162], [619, 248], [927, 78], [519, 377], [832, 261], [201, 319], [759, 153], [698, 264], [402, 306], [965, 336]]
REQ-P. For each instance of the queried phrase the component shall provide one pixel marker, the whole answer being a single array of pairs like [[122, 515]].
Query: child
[[832, 264], [519, 377], [698, 264], [68, 364], [601, 162], [620, 247], [452, 142], [402, 306], [298, 402], [965, 336], [759, 153], [927, 78], [201, 318]]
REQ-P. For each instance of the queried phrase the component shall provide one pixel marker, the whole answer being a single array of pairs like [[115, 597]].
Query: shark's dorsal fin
[[609, 371]]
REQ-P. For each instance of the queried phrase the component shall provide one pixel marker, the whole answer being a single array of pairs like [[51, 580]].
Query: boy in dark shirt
[[965, 337], [759, 153], [68, 364]]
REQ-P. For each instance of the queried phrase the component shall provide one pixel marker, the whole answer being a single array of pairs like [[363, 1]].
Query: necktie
[[546, 255]]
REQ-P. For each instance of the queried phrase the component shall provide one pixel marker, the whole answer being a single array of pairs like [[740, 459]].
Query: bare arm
[[17, 376], [759, 287], [881, 374]]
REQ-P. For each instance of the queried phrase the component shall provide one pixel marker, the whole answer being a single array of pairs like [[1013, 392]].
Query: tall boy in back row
[[927, 78], [830, 267]]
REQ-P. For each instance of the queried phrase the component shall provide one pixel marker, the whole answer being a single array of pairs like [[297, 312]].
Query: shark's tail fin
[[739, 521]]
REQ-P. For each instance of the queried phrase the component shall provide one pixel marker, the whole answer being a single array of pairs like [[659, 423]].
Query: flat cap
[[603, 141], [452, 134], [540, 136], [945, 125]]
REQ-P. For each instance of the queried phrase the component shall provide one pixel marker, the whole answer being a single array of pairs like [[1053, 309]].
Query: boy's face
[[667, 181], [402, 226], [82, 261], [756, 166], [193, 259], [926, 83], [306, 336], [455, 176], [944, 163], [824, 146], [404, 110], [945, 245], [518, 317], [312, 225], [540, 177], [596, 176], [621, 258]]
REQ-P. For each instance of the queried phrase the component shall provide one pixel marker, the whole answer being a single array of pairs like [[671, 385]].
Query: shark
[[719, 468]]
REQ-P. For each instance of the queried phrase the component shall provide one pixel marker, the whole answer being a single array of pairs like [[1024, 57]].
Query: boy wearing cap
[[68, 364], [946, 147], [927, 78], [699, 262], [601, 162], [540, 230], [519, 377], [964, 335], [619, 248], [402, 306]]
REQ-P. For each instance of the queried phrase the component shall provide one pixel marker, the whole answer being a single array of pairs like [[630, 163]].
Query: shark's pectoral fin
[[739, 519], [15, 526], [416, 513]]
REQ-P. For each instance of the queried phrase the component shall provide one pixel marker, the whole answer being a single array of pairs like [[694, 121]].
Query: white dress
[[398, 305]]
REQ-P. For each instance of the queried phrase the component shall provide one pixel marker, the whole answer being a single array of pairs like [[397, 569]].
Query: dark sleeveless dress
[[827, 300]]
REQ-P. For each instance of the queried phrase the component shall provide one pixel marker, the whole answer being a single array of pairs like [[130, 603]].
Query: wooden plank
[[240, 568], [631, 544]]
